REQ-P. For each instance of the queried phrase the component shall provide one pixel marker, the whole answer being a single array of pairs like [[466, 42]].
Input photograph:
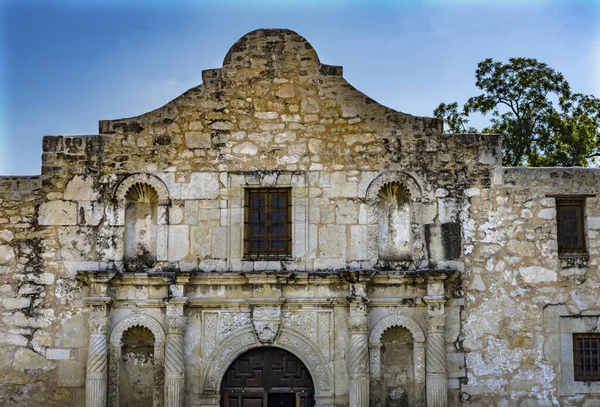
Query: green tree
[[531, 106]]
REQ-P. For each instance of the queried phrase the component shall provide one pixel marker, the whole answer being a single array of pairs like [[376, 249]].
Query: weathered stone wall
[[517, 288], [41, 361], [274, 116]]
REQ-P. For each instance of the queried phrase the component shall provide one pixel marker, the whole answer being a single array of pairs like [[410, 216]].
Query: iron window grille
[[569, 216], [586, 356], [267, 223]]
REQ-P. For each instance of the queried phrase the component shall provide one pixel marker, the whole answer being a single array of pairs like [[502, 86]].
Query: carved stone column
[[175, 324], [97, 362], [437, 376], [358, 354]]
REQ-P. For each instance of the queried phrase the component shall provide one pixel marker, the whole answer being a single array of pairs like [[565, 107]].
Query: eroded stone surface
[[273, 116]]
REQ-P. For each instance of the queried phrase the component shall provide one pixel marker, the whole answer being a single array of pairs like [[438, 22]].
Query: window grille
[[267, 223], [569, 215], [586, 356]]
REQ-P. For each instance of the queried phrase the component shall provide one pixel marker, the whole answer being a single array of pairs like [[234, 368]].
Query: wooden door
[[267, 377]]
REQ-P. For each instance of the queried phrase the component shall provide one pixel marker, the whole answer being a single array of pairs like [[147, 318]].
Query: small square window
[[569, 216], [268, 223], [586, 356]]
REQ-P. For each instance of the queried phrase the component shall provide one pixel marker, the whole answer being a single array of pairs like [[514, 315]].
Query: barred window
[[569, 215], [268, 222], [586, 356]]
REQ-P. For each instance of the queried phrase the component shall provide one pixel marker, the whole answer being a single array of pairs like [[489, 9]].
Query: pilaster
[[437, 376]]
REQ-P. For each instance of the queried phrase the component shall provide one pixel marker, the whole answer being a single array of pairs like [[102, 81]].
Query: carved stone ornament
[[574, 261], [266, 321]]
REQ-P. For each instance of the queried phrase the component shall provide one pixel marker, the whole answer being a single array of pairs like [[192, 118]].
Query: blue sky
[[64, 65]]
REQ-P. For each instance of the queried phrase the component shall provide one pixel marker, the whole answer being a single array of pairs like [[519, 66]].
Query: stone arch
[[413, 254], [397, 320], [244, 340], [115, 348], [142, 178], [160, 198], [418, 335]]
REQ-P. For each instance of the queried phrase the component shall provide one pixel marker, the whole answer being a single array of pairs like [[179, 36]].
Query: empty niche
[[394, 220], [141, 212], [397, 369], [136, 379]]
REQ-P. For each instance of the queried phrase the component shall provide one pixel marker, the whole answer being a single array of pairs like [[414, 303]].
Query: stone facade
[[421, 272]]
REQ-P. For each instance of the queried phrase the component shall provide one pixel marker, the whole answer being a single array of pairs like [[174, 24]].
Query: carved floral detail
[[303, 322], [232, 321]]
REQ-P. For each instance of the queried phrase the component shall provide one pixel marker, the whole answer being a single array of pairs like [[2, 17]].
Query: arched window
[[141, 213]]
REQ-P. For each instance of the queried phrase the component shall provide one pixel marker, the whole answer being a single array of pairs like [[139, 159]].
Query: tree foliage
[[542, 123]]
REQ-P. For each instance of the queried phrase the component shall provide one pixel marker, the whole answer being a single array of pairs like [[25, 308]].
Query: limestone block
[[162, 242], [448, 210], [522, 248], [332, 242], [75, 243], [219, 243], [266, 115], [200, 244], [57, 213], [93, 212], [58, 354], [70, 334], [358, 243], [190, 212], [80, 188], [346, 212], [593, 222], [7, 254], [14, 377], [71, 373], [209, 217], [202, 185], [26, 359], [13, 339], [477, 283], [6, 236], [195, 139], [179, 242], [16, 303], [548, 213], [342, 188], [286, 91], [176, 214], [246, 148], [537, 274]]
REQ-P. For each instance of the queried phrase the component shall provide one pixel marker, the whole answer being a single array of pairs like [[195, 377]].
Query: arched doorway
[[267, 377]]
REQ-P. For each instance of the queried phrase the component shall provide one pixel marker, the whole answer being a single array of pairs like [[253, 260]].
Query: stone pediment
[[272, 99]]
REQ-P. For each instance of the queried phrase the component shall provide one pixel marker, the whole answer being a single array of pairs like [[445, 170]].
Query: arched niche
[[141, 216], [118, 342], [395, 226], [141, 206], [377, 338], [245, 339], [137, 376]]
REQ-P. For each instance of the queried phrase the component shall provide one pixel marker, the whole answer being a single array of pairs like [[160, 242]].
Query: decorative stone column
[[97, 361], [175, 323], [358, 354], [437, 376]]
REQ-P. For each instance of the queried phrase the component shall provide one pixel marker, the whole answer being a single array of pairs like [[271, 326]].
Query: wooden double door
[[267, 377]]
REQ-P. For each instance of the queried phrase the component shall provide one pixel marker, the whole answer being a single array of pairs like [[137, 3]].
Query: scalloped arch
[[142, 178], [130, 321], [396, 320], [394, 176], [244, 340]]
